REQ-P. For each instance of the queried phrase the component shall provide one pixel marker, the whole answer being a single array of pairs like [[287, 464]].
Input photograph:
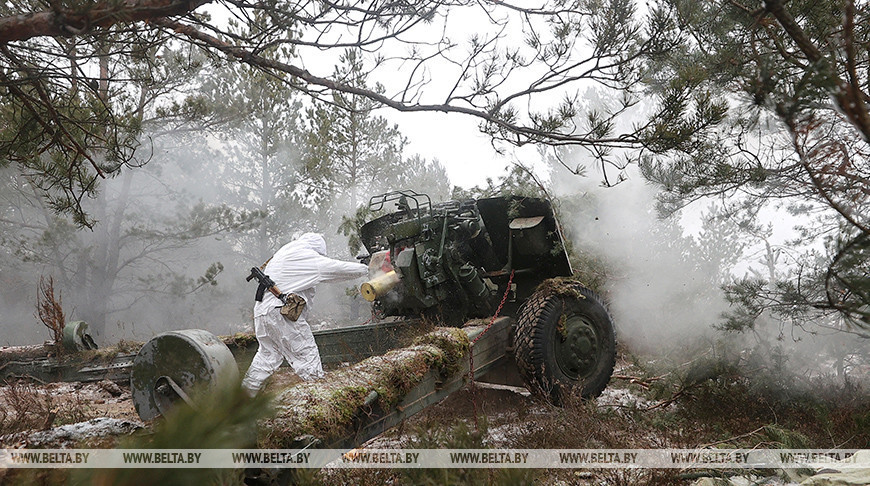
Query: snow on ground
[[68, 435], [621, 398]]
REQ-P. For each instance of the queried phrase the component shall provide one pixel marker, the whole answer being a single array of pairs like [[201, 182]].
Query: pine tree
[[790, 82]]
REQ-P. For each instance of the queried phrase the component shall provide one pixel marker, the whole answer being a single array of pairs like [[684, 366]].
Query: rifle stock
[[266, 283]]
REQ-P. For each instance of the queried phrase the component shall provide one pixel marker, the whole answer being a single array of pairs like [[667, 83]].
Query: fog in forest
[[171, 247], [175, 239]]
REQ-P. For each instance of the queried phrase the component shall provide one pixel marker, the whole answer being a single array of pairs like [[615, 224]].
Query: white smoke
[[661, 285], [664, 285]]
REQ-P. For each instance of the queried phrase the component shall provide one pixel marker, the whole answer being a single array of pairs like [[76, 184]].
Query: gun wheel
[[564, 340]]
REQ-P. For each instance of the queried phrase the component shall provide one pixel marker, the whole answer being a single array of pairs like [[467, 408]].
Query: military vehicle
[[464, 259]]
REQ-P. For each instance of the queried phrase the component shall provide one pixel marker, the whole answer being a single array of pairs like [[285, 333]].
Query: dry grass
[[676, 407], [107, 354], [49, 311], [726, 408], [25, 406]]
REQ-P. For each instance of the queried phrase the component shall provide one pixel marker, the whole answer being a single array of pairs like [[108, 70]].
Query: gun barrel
[[379, 286]]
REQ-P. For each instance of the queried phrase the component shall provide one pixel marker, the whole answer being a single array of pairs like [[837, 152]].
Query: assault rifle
[[266, 283], [293, 304]]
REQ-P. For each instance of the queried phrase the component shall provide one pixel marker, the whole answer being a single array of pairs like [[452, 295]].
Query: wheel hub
[[577, 347]]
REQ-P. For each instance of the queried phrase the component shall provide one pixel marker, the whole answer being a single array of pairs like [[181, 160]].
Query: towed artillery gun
[[497, 267], [464, 259]]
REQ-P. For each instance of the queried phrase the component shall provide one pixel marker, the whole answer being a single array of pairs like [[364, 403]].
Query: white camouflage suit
[[297, 267]]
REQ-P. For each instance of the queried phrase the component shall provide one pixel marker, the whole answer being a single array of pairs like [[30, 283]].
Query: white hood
[[310, 241]]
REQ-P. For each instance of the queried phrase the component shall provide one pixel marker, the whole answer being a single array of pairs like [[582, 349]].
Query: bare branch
[[525, 134]]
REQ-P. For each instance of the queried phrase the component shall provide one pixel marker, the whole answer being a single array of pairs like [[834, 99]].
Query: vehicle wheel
[[565, 339]]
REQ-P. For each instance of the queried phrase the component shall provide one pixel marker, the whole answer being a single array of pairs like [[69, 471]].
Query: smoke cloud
[[660, 285], [664, 287]]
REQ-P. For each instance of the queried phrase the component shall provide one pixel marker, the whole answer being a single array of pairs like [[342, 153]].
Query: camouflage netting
[[239, 340], [328, 408], [110, 352], [41, 351], [564, 286], [16, 353]]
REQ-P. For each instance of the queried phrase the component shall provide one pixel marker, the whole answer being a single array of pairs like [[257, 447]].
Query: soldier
[[296, 268]]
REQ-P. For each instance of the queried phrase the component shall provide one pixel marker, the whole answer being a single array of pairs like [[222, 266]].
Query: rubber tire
[[537, 330]]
